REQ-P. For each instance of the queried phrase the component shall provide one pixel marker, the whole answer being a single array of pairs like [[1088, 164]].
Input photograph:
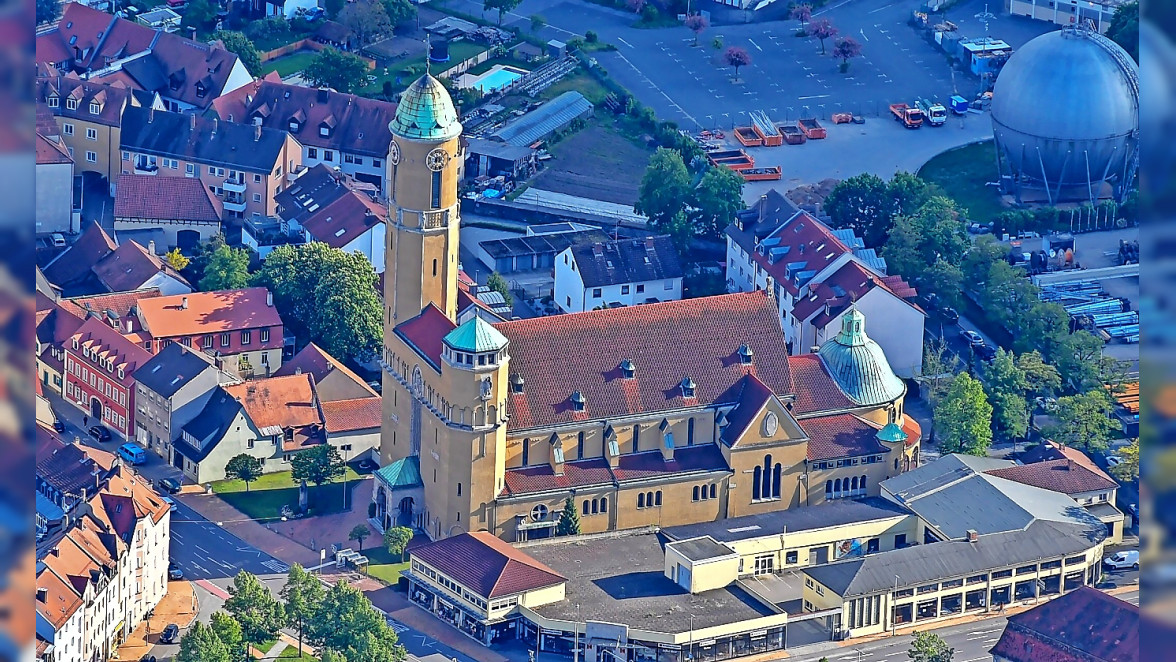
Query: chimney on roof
[[192, 32], [298, 370], [214, 126], [130, 324], [269, 299], [183, 303], [973, 536], [256, 132], [151, 115], [151, 247], [193, 121]]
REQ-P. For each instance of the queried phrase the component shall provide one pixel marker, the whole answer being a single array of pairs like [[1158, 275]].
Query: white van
[[1124, 559]]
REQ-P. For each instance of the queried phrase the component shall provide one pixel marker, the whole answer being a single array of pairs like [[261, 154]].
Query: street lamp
[[894, 609]]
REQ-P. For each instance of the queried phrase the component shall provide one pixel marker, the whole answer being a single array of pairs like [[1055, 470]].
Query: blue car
[[132, 453]]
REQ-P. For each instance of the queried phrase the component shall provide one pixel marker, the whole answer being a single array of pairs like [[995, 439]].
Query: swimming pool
[[498, 78]]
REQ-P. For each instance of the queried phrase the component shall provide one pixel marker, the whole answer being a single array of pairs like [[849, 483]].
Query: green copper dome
[[426, 112], [858, 365], [476, 335], [891, 433]]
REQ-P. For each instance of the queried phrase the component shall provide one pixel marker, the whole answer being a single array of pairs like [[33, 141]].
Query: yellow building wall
[[543, 596]]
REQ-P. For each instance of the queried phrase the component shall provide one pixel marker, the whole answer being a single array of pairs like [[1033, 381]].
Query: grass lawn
[[580, 82], [458, 51], [289, 64], [268, 494], [962, 173], [383, 565], [291, 653]]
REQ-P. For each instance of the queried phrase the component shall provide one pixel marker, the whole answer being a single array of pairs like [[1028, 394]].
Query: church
[[654, 415]]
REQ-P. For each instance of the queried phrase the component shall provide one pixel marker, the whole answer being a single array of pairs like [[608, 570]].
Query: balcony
[[234, 185], [434, 220], [143, 167], [234, 204]]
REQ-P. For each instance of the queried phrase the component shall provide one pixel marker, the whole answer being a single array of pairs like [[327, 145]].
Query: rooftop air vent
[[578, 401], [516, 383], [688, 387], [628, 370], [745, 355]]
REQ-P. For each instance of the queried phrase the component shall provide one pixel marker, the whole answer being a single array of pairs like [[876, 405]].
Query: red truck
[[910, 116]]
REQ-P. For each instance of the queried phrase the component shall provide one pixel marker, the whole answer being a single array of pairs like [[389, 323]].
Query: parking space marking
[[757, 46], [622, 40]]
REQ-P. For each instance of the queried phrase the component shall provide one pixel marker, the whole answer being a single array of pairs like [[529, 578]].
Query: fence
[[307, 44]]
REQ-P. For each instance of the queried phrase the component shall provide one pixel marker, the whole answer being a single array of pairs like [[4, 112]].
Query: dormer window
[[95, 108], [122, 374], [516, 383], [71, 104], [53, 101], [324, 130], [628, 369], [75, 343], [579, 402], [294, 126], [745, 355], [688, 387]]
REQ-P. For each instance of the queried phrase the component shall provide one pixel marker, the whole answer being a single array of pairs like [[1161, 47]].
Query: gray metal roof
[[497, 150], [169, 370], [924, 564], [541, 122], [834, 513], [701, 549]]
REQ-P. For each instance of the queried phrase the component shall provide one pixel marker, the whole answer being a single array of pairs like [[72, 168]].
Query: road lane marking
[[863, 32], [757, 46], [622, 40], [813, 96]]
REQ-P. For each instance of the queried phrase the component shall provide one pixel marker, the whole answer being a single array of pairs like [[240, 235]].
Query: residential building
[[351, 409], [160, 18], [270, 419], [536, 250], [55, 171], [333, 208], [1086, 624], [72, 269], [100, 367], [332, 379], [493, 425], [245, 166], [66, 474], [817, 275], [185, 73], [240, 329], [183, 210], [343, 132], [171, 389], [621, 272], [88, 114], [94, 264]]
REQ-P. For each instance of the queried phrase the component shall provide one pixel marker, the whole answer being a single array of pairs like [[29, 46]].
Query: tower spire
[[428, 55]]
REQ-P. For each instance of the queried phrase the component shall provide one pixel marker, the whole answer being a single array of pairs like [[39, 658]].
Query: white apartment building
[[612, 274]]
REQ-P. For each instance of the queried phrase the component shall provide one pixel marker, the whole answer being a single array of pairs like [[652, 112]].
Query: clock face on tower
[[394, 153], [437, 159]]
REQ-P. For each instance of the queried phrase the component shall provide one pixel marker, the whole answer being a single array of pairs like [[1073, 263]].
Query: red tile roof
[[815, 388], [1086, 625], [165, 198], [130, 266], [1065, 476], [753, 395], [540, 478], [345, 220], [109, 344], [811, 242], [74, 263], [315, 360], [849, 283], [841, 435], [285, 402], [687, 459], [695, 338], [51, 151], [1052, 450], [486, 565], [352, 415], [211, 312], [122, 304], [425, 332], [112, 96]]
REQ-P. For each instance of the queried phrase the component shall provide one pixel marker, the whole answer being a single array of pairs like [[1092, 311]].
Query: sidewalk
[[254, 533], [177, 606], [399, 607]]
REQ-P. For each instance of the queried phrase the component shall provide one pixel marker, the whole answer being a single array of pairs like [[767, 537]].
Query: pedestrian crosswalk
[[276, 565]]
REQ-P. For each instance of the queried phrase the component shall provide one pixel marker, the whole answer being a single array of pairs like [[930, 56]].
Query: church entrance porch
[[398, 496]]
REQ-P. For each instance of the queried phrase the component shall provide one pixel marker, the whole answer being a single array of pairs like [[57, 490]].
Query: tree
[[697, 23], [500, 6], [254, 608], [802, 13], [227, 269], [333, 7], [200, 644], [1124, 28], [916, 241], [497, 283], [736, 56], [1128, 469], [945, 278], [200, 256], [1077, 357], [861, 203], [245, 468], [367, 19], [929, 647], [908, 192], [1006, 385], [963, 418], [242, 46], [348, 624], [198, 14], [569, 520], [228, 630], [665, 187], [319, 465], [176, 260], [399, 11], [396, 540], [358, 533], [337, 70], [635, 6], [717, 199], [47, 11], [939, 368], [976, 265], [1084, 421], [327, 296], [822, 29], [537, 23], [845, 48], [301, 597]]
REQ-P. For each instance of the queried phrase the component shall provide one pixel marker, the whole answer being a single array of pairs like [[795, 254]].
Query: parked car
[[169, 485], [950, 315], [986, 352], [170, 634], [1047, 404], [58, 240], [1125, 559], [1114, 460], [972, 337], [174, 571], [58, 425], [133, 453], [100, 433]]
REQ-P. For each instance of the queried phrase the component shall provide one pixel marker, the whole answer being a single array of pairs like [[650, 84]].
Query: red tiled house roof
[[352, 415], [1052, 450], [149, 197], [315, 360], [1065, 476], [667, 342], [212, 312], [122, 304], [541, 478], [687, 459], [486, 565], [131, 265], [848, 284], [841, 435], [812, 242], [51, 151], [74, 263], [108, 344], [346, 219], [1086, 625], [753, 395]]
